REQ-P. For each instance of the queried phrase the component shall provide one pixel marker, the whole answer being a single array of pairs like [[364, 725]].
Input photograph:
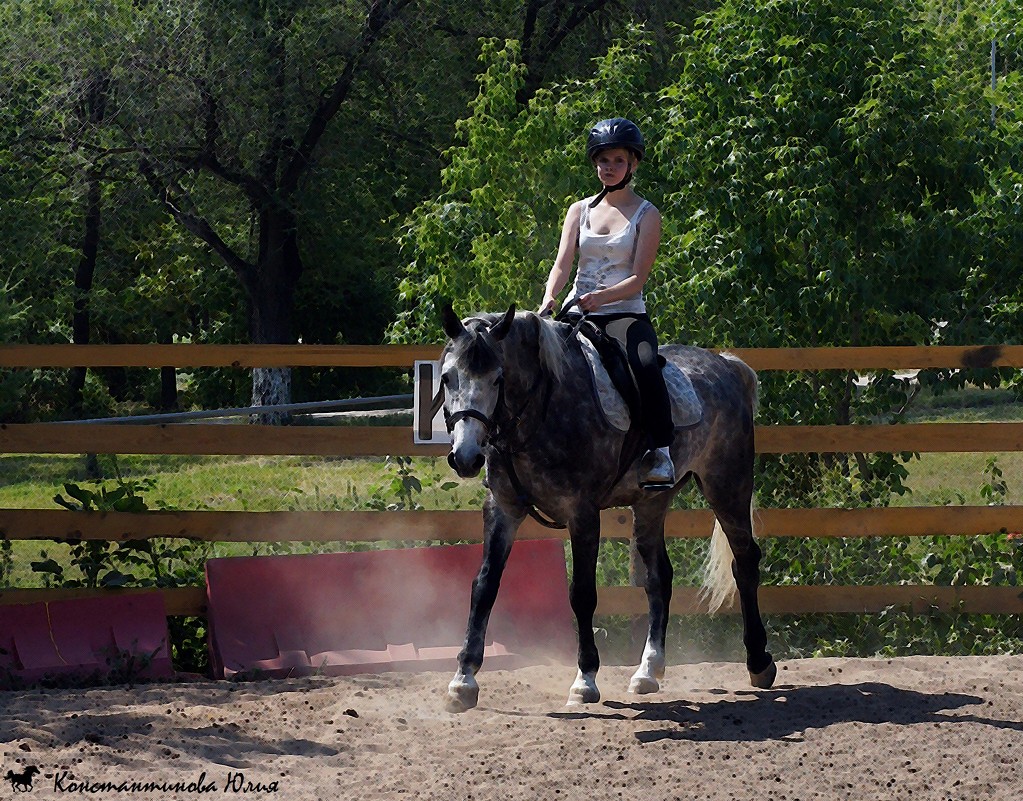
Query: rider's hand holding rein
[[563, 263]]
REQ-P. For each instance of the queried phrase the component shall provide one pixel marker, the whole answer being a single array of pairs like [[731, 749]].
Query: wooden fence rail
[[467, 525], [248, 356], [40, 524], [792, 600], [240, 440]]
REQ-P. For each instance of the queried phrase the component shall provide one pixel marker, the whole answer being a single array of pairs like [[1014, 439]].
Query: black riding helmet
[[615, 132]]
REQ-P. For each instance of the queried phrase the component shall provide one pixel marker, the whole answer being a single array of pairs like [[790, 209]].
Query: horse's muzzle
[[467, 469]]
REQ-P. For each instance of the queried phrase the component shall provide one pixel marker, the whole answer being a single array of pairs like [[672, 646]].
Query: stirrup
[[657, 473]]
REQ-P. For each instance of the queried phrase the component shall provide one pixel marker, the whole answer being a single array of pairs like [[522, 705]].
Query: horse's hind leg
[[649, 536], [584, 529], [733, 510], [498, 534]]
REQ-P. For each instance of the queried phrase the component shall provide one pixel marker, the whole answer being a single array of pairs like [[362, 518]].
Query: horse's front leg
[[584, 529], [499, 529], [649, 536]]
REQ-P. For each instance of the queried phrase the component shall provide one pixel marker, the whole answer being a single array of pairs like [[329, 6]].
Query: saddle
[[615, 386]]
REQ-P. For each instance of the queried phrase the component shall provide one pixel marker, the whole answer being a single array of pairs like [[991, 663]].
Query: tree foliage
[[829, 173], [239, 161], [824, 180], [489, 238]]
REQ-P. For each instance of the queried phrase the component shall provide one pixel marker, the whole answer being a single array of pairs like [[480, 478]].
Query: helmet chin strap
[[620, 185]]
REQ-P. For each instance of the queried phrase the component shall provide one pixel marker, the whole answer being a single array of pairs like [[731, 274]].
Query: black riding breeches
[[636, 334]]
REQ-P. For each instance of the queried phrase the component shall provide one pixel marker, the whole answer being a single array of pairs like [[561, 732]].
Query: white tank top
[[606, 260]]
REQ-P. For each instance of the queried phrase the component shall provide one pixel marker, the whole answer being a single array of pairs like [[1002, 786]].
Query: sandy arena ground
[[920, 728]]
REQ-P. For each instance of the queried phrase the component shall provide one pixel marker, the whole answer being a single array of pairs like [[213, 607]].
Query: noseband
[[450, 418]]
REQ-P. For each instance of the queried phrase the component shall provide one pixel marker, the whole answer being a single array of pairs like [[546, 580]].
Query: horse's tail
[[718, 581]]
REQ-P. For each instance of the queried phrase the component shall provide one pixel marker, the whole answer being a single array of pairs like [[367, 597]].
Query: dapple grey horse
[[518, 399]]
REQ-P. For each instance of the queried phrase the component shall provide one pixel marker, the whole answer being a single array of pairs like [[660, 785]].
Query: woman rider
[[616, 235]]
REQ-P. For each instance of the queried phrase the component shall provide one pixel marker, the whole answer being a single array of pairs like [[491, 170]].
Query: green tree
[[312, 129], [980, 45], [83, 227], [993, 300], [819, 179], [12, 319], [253, 89], [317, 126], [821, 183], [490, 236]]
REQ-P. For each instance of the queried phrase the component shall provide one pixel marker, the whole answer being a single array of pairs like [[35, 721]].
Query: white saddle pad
[[686, 408]]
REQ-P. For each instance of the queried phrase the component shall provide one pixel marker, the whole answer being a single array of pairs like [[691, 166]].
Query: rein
[[631, 446], [507, 454]]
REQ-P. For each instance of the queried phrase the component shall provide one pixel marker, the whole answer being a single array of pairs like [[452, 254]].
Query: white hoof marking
[[647, 677], [584, 690], [643, 685], [463, 693]]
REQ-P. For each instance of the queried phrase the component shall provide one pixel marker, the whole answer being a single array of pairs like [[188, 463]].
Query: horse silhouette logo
[[22, 782]]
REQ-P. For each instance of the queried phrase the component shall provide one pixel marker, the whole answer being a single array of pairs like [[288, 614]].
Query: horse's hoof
[[578, 697], [644, 685], [584, 690], [462, 695], [764, 680]]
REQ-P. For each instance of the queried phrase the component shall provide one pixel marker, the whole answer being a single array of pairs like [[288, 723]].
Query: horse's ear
[[500, 331], [452, 324]]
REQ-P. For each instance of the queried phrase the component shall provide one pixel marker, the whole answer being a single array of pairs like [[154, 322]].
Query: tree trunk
[[91, 112], [84, 273], [168, 389], [271, 292]]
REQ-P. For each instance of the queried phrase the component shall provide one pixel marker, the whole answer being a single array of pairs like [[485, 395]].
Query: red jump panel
[[387, 610]]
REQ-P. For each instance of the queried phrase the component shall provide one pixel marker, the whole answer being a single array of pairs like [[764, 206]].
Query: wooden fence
[[49, 438]]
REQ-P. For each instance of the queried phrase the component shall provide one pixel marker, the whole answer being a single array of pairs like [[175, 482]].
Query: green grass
[[260, 484], [232, 484], [940, 479], [299, 483], [968, 405], [956, 479]]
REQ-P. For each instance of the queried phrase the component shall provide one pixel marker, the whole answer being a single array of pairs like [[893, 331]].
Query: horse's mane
[[477, 353], [551, 346]]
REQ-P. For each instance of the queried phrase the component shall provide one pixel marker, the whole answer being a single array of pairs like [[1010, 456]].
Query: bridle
[[450, 418], [499, 433], [501, 424]]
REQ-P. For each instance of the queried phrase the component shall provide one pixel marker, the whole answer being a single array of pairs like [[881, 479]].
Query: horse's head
[[472, 374]]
